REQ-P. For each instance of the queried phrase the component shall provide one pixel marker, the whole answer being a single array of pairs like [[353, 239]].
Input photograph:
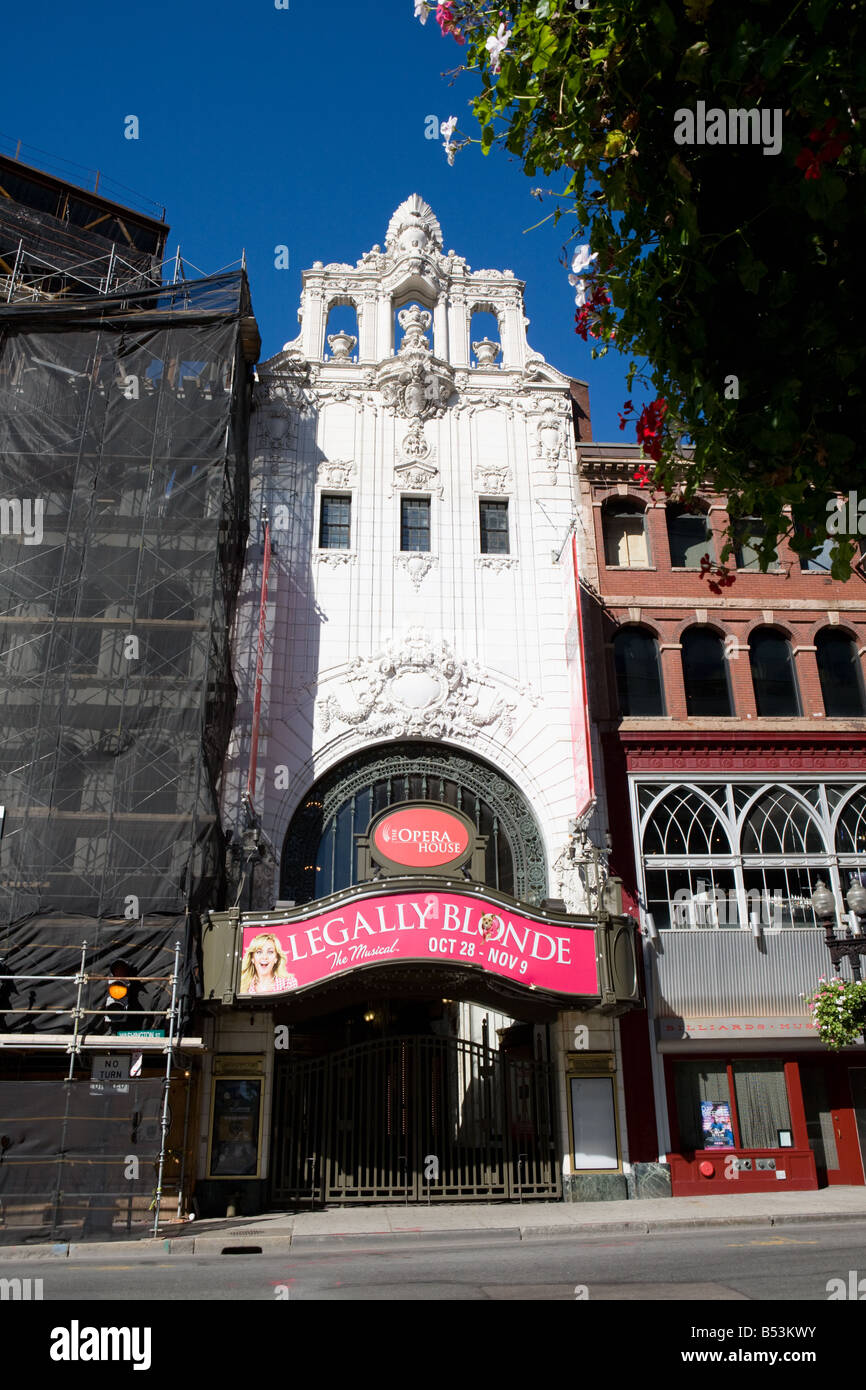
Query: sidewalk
[[278, 1232]]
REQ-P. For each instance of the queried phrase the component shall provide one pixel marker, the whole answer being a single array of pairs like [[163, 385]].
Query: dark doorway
[[416, 1119]]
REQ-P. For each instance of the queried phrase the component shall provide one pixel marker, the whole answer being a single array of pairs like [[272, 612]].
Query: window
[[820, 563], [336, 523], [638, 678], [494, 528], [773, 675], [841, 674], [760, 1108], [689, 537], [749, 533], [624, 526], [705, 673], [415, 523]]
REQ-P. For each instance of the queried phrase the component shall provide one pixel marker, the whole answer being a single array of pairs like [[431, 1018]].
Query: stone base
[[649, 1180], [212, 1197], [595, 1187]]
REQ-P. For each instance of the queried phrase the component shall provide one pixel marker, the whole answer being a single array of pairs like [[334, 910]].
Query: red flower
[[446, 21], [642, 475], [649, 428]]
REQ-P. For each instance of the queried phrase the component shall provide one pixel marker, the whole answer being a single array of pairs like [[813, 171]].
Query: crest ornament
[[417, 687]]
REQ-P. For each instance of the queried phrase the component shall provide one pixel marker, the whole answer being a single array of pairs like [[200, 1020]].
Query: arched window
[[685, 823], [705, 673], [341, 332], [319, 850], [779, 823], [851, 826], [841, 674], [689, 537], [638, 676], [773, 675], [484, 336], [623, 521]]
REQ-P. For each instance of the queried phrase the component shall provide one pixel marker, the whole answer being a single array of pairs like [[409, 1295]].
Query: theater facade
[[418, 994]]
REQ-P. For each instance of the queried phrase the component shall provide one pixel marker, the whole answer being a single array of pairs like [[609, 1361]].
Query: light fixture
[[823, 902], [650, 928], [755, 924]]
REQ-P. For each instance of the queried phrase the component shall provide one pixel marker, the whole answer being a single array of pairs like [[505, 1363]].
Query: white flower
[[582, 260], [447, 128], [580, 297], [421, 10], [497, 44]]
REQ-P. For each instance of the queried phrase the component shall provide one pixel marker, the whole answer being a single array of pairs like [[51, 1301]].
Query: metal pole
[[168, 1056], [74, 1048], [182, 1178], [67, 1091], [19, 254]]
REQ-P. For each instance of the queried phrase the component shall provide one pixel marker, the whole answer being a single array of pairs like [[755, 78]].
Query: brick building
[[733, 729]]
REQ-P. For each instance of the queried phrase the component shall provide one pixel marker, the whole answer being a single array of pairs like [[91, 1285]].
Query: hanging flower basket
[[837, 1011]]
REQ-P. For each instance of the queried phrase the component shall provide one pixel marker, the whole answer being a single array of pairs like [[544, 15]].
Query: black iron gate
[[413, 1119]]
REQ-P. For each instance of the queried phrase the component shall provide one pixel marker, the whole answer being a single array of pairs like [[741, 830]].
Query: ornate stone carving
[[414, 228], [487, 352], [495, 562], [335, 472], [341, 345], [336, 559], [417, 389], [492, 478], [549, 441], [417, 687], [417, 565], [414, 322]]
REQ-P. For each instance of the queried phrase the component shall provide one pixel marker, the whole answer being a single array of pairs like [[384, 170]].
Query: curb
[[264, 1243]]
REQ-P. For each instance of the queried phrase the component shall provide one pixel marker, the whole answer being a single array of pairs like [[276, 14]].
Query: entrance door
[[857, 1081], [413, 1119], [833, 1136]]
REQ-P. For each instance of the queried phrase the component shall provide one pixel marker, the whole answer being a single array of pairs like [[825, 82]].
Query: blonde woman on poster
[[264, 967]]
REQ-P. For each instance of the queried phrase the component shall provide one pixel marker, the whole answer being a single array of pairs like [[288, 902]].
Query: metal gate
[[413, 1119]]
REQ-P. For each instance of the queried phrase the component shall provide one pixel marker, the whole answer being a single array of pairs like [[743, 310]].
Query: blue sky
[[303, 127]]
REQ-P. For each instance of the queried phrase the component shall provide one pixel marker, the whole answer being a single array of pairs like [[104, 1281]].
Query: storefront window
[[762, 1103], [699, 1086]]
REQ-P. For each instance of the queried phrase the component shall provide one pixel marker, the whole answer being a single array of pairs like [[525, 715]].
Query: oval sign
[[421, 837]]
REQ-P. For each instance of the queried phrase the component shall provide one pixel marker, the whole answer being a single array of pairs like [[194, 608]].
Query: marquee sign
[[456, 928]]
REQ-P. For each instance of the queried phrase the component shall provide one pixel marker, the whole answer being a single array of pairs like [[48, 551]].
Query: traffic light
[[119, 994]]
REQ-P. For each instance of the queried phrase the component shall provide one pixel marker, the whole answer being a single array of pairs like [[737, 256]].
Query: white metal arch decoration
[[706, 802], [776, 790]]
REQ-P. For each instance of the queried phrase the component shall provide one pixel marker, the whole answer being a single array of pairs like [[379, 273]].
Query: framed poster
[[716, 1126], [235, 1133]]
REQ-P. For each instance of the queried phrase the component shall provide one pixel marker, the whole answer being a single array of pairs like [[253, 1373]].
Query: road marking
[[779, 1240]]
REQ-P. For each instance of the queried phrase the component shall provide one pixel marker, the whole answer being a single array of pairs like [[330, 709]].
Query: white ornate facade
[[369, 646], [370, 643]]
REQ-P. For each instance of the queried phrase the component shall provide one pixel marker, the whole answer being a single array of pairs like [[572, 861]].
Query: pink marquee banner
[[449, 927]]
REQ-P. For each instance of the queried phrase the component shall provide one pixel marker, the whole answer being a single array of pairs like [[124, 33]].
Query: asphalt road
[[727, 1264]]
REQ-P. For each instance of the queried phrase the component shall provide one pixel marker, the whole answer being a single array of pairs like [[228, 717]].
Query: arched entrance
[[413, 1083], [318, 853]]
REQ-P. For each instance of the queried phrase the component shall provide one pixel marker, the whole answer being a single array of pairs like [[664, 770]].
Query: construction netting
[[123, 503], [79, 1159]]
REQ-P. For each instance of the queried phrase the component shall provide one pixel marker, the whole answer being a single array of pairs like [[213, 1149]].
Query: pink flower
[[446, 21]]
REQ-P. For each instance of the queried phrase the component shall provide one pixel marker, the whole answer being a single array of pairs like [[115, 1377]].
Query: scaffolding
[[123, 521], [90, 1154]]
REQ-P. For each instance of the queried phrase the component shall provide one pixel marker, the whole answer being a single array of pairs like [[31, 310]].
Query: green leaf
[[692, 66]]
